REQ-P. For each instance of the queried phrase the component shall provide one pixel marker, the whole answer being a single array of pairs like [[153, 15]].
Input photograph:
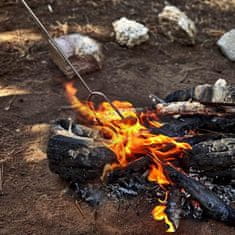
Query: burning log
[[138, 166], [76, 160], [194, 108], [213, 205], [180, 127]]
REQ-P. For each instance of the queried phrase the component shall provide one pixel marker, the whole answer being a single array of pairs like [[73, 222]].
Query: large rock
[[227, 44], [129, 32], [84, 52], [177, 26]]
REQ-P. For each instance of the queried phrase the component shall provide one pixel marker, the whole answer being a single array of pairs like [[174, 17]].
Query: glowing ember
[[129, 138]]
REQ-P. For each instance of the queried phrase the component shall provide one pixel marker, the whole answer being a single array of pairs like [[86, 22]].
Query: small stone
[[50, 9], [227, 44], [177, 25], [129, 32]]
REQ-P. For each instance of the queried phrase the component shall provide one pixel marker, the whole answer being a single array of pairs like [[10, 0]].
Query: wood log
[[220, 124], [213, 155], [138, 166], [212, 204], [194, 108], [219, 93], [180, 127], [76, 161], [206, 128]]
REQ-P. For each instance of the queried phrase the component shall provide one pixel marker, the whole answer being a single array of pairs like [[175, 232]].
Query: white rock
[[77, 44], [129, 32], [65, 45], [227, 44], [84, 53], [177, 25]]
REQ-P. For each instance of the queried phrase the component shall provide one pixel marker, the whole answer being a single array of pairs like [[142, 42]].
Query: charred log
[[213, 155], [76, 161], [180, 95], [212, 204], [220, 92], [180, 127], [138, 166], [219, 124]]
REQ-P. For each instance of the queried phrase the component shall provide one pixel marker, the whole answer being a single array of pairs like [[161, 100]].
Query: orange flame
[[129, 138]]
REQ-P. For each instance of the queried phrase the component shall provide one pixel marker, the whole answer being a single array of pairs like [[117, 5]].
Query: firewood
[[220, 93], [140, 165], [212, 204], [213, 155], [180, 127], [194, 108], [75, 161]]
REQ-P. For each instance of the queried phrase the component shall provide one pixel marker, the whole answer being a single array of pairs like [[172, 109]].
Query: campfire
[[179, 151]]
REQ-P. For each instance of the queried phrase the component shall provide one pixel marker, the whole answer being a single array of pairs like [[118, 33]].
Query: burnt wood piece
[[138, 166], [174, 206], [220, 124], [217, 93], [213, 155], [212, 204], [194, 108], [75, 161], [180, 127], [180, 95]]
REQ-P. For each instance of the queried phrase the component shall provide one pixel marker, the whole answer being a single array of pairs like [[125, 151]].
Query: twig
[[79, 208], [10, 103], [1, 179]]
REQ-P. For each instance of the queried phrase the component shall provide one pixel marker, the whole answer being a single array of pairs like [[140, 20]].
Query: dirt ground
[[34, 201]]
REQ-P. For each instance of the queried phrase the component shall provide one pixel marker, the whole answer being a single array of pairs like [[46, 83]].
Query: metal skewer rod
[[65, 58]]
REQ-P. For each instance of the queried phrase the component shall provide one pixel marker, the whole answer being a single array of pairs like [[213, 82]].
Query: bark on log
[[213, 155], [194, 108], [209, 128], [138, 166], [179, 127], [75, 161], [220, 124], [213, 205]]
